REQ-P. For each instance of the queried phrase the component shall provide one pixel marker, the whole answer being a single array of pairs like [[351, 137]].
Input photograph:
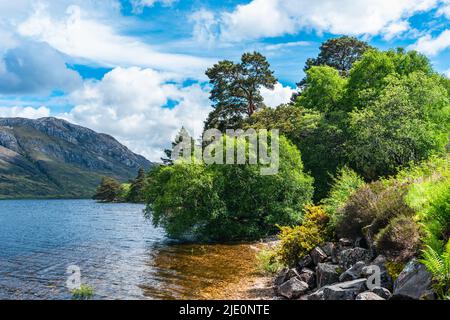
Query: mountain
[[52, 158]]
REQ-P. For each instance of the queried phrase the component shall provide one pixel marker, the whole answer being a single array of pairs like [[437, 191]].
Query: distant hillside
[[52, 158]]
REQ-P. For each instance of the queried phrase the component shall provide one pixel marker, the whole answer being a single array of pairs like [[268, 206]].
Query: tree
[[339, 53], [236, 90], [229, 202], [183, 136], [137, 187], [108, 190]]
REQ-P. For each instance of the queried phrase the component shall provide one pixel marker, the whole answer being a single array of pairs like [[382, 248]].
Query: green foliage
[[108, 190], [268, 262], [85, 292], [236, 90], [401, 240], [438, 263], [394, 269], [136, 189], [229, 202], [298, 241], [339, 53], [324, 89], [345, 184], [183, 137]]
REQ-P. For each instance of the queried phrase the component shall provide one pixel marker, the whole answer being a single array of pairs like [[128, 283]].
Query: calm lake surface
[[120, 253]]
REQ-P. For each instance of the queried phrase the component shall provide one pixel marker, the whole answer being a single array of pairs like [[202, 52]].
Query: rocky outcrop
[[363, 277], [414, 282], [51, 157]]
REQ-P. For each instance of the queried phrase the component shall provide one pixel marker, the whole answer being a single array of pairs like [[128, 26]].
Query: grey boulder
[[368, 296], [382, 292], [327, 274], [340, 291], [293, 288], [318, 255], [355, 272], [347, 258], [414, 282]]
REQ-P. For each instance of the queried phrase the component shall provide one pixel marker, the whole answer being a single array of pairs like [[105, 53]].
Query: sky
[[135, 69]]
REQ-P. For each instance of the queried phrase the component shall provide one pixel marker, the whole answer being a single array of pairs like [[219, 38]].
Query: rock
[[347, 258], [318, 255], [308, 276], [414, 282], [344, 242], [281, 277], [368, 296], [293, 288], [327, 274], [355, 272], [328, 248], [292, 273], [382, 292], [385, 278], [305, 262], [340, 291]]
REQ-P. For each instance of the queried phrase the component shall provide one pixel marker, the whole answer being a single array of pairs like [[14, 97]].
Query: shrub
[[298, 241], [394, 269], [400, 240], [344, 185], [371, 208], [229, 202], [85, 292], [268, 262], [108, 190], [438, 263]]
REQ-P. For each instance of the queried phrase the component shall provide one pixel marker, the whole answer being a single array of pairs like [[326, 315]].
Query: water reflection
[[121, 255]]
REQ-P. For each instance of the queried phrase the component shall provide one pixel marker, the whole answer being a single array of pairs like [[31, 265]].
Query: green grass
[[85, 292]]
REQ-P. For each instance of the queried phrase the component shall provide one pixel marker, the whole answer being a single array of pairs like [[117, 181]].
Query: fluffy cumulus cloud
[[433, 45], [35, 68], [79, 36], [24, 112], [143, 108], [271, 18], [279, 95]]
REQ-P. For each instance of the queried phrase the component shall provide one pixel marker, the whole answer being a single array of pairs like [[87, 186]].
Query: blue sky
[[135, 68]]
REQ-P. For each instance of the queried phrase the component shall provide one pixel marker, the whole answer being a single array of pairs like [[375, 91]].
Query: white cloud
[[444, 10], [81, 37], [395, 28], [279, 46], [447, 73], [24, 112], [139, 5], [271, 18], [279, 95], [35, 68], [205, 26], [129, 104], [432, 46]]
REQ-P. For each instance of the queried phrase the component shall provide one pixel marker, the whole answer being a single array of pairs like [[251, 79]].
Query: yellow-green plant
[[84, 292], [268, 261], [298, 241], [438, 263]]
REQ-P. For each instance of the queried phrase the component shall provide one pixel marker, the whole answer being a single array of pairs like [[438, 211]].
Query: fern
[[438, 263]]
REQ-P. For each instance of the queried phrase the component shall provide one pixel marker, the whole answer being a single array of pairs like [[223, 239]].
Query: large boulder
[[355, 272], [368, 296], [305, 262], [327, 274], [318, 255], [385, 279], [340, 291], [414, 282], [281, 277], [382, 292], [293, 288], [329, 248], [309, 277], [347, 258]]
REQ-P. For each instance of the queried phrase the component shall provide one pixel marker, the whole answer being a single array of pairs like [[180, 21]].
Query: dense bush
[[345, 184], [400, 241], [298, 241], [229, 202]]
